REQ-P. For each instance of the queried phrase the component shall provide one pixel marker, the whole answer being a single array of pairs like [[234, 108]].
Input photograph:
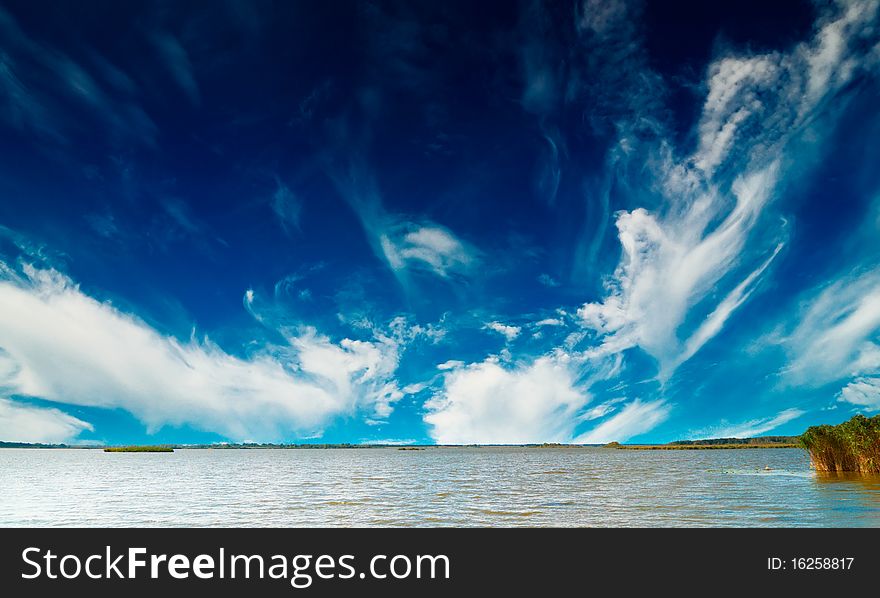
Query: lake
[[491, 486]]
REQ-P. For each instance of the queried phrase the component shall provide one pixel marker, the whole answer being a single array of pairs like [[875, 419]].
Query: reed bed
[[853, 446], [139, 449]]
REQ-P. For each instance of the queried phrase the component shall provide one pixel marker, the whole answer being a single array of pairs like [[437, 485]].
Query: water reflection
[[842, 487]]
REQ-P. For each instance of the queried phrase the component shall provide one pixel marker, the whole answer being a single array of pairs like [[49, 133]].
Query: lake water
[[434, 487]]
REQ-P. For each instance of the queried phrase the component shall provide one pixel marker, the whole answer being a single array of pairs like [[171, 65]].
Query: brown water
[[435, 487]]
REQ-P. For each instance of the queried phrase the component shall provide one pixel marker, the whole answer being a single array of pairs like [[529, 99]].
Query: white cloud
[[761, 101], [676, 257], [715, 321], [20, 422], [450, 364], [402, 242], [669, 265], [487, 402], [837, 334], [602, 410], [550, 322], [837, 337], [862, 392], [736, 85], [425, 246], [748, 429], [507, 331], [636, 417], [61, 345]]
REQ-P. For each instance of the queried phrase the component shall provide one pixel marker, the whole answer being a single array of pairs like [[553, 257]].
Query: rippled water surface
[[432, 487]]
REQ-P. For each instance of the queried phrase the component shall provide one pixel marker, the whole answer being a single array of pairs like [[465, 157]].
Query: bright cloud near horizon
[[630, 221]]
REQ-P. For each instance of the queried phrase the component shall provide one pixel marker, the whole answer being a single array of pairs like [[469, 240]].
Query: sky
[[419, 222]]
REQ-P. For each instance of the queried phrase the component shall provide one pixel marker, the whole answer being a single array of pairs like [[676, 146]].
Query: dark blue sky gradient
[[170, 157]]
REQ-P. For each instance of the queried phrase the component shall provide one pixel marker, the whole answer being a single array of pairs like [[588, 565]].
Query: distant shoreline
[[708, 444], [702, 447]]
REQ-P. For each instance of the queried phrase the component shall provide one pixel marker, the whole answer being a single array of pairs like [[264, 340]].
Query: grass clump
[[139, 449], [853, 446]]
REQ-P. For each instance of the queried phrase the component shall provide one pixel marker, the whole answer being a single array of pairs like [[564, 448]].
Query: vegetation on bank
[[139, 449], [38, 445], [699, 447], [853, 446], [715, 443], [758, 440]]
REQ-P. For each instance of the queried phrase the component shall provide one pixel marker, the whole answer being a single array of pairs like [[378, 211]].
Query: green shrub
[[139, 449], [851, 446]]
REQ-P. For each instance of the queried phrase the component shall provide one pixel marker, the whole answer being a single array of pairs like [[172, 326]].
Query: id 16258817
[[811, 563]]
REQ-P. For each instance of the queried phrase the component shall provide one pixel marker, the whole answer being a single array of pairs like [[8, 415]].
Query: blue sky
[[437, 222]]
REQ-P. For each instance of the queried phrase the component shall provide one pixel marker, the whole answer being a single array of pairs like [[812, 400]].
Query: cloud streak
[[46, 91], [405, 244], [61, 345], [287, 207], [675, 257], [636, 417], [21, 422], [837, 333], [748, 429]]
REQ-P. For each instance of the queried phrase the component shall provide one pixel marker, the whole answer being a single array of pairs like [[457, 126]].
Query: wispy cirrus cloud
[[837, 333], [176, 223], [668, 267], [702, 236], [405, 243], [756, 104], [426, 246], [693, 256], [286, 206], [47, 91], [836, 339], [636, 417], [748, 429], [177, 61]]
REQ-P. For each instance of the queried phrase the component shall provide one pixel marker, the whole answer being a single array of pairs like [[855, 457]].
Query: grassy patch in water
[[139, 449], [852, 446]]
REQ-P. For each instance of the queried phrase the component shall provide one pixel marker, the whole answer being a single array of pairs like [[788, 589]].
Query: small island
[[853, 446], [139, 449]]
